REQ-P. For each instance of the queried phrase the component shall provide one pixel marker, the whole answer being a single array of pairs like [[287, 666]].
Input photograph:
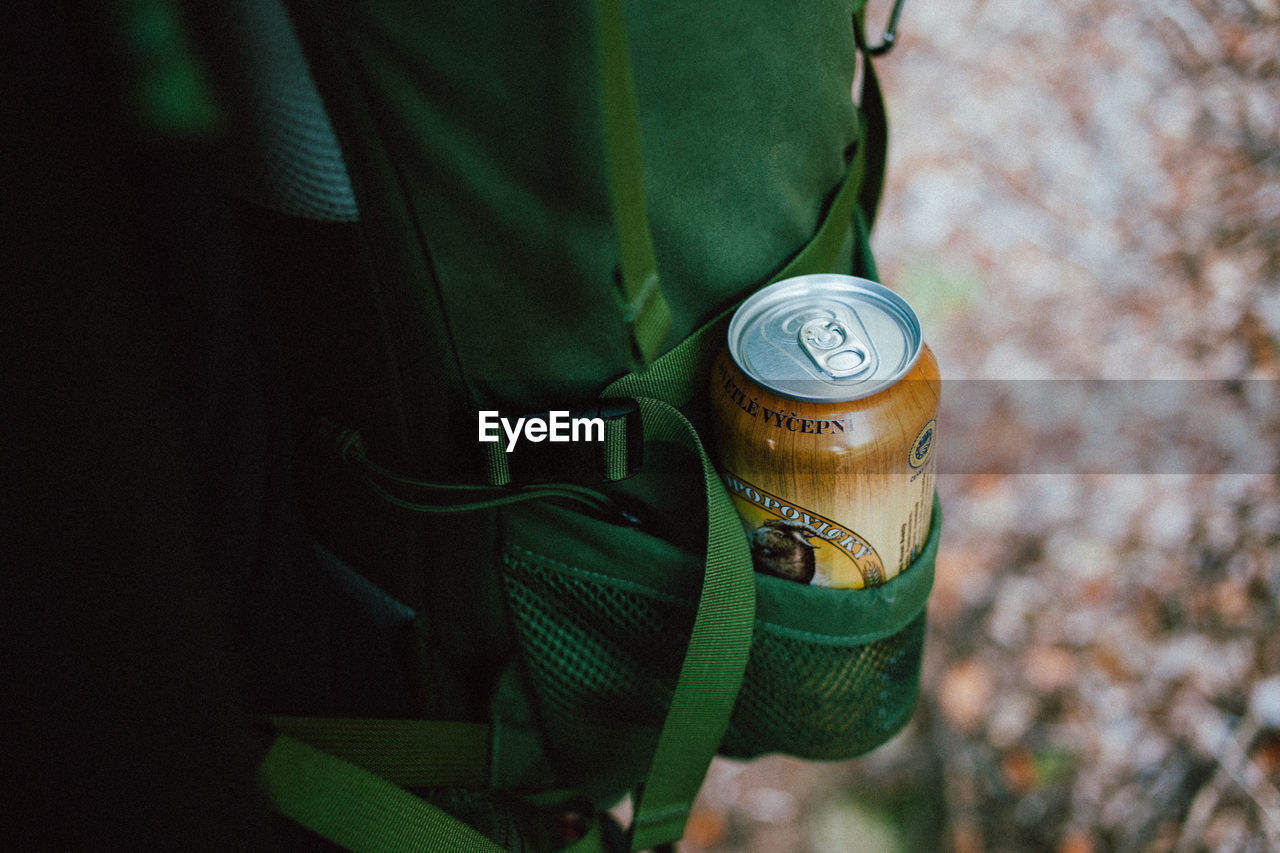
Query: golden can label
[[824, 410], [786, 541]]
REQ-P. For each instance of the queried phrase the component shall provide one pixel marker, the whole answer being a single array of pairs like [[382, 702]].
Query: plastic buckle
[[599, 442], [890, 32]]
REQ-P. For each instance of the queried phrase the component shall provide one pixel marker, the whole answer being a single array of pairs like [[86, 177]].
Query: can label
[[791, 542], [824, 406]]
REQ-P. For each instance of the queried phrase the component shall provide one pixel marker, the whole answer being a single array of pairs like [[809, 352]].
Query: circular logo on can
[[923, 446]]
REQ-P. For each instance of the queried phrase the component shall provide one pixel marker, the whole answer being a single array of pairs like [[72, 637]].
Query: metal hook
[[890, 32]]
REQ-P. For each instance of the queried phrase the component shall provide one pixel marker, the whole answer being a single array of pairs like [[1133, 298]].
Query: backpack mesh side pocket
[[833, 673], [825, 701], [602, 655]]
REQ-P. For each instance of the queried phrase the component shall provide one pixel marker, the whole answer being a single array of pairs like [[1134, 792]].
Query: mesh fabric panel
[[823, 701], [289, 159], [603, 659]]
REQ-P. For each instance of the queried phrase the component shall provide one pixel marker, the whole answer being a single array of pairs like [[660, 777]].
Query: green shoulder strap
[[356, 809], [411, 753], [344, 779]]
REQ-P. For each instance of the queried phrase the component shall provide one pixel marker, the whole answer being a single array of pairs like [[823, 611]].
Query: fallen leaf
[[1051, 668], [965, 694]]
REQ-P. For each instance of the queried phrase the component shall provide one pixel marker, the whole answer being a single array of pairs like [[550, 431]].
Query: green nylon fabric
[[645, 311], [498, 204], [679, 375], [355, 809]]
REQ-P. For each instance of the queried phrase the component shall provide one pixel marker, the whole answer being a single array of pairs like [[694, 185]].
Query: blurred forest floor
[[1078, 190]]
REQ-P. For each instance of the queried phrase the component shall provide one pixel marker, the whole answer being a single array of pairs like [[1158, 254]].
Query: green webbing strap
[[711, 673], [644, 308], [715, 660], [331, 775], [412, 753], [497, 466], [355, 809], [616, 455]]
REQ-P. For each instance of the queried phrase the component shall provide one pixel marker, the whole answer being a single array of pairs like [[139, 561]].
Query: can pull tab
[[833, 346]]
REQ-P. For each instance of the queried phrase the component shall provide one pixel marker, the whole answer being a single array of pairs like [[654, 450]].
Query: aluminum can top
[[825, 338]]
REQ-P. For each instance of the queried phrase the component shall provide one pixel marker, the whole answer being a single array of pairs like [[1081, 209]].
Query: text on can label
[[866, 562]]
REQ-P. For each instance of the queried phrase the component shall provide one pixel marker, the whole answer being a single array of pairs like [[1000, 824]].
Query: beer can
[[824, 412]]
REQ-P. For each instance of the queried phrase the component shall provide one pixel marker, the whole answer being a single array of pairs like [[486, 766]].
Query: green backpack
[[559, 207]]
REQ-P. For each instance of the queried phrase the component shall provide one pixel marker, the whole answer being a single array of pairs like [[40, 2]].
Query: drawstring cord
[[350, 449]]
